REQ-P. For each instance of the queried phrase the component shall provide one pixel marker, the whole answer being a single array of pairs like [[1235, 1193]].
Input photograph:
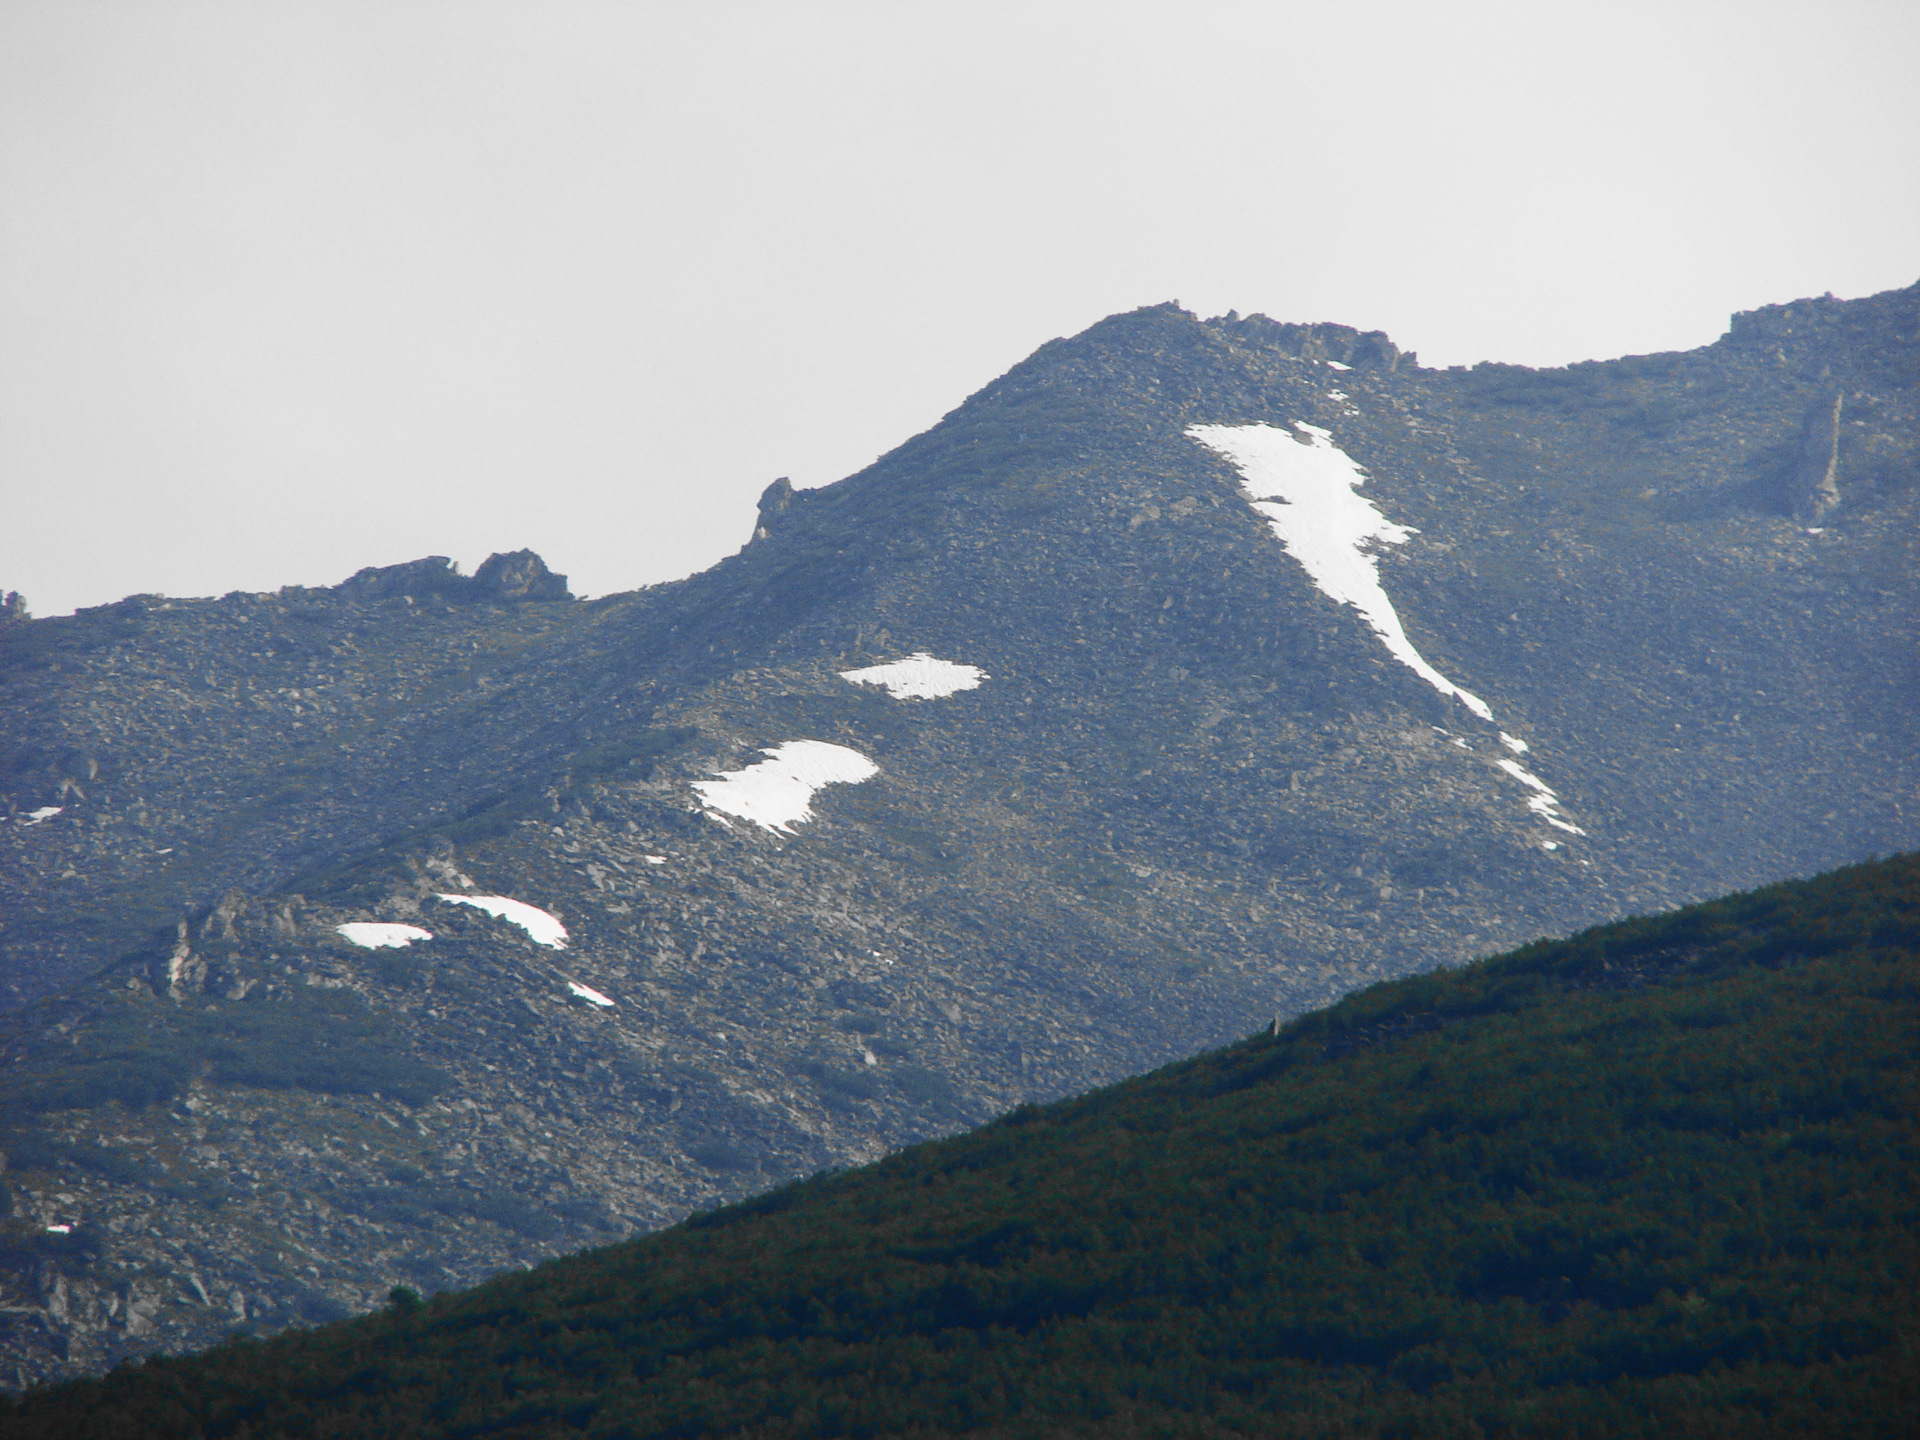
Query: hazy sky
[[296, 286]]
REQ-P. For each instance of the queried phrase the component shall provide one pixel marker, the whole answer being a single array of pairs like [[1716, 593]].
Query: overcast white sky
[[296, 286]]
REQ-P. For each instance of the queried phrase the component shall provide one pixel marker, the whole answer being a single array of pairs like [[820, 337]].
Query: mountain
[[1193, 673], [1655, 1180]]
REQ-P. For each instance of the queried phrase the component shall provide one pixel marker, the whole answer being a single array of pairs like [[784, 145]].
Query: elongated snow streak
[[919, 677], [589, 994], [45, 812], [1543, 801], [1305, 492], [374, 935], [541, 927], [777, 793]]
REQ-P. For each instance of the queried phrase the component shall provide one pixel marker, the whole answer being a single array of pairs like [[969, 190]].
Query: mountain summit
[[1193, 673]]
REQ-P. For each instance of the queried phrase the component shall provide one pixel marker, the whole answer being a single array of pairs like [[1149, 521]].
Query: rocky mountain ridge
[[1192, 789]]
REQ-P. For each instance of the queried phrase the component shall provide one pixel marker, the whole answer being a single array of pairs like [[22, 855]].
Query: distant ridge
[[1655, 1180]]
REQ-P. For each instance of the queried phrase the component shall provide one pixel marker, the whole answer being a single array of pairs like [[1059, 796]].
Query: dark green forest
[[1655, 1180]]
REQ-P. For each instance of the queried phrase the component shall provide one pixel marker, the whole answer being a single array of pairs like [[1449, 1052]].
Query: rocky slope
[[1222, 730]]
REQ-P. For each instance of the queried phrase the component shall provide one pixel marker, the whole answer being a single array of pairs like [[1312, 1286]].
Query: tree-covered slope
[[1658, 1179]]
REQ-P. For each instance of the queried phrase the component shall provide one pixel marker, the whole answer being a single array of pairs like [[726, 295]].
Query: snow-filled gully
[[1306, 488]]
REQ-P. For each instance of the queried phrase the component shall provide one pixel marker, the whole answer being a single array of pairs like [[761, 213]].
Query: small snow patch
[[919, 677], [654, 859], [376, 935], [777, 793], [541, 927], [45, 812], [1336, 365], [1543, 802], [1517, 746], [59, 1229], [589, 994]]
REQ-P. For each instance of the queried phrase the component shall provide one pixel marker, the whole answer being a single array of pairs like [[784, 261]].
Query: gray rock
[[1193, 793]]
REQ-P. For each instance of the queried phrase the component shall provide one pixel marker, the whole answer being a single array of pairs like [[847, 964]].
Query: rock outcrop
[[517, 576], [1813, 482]]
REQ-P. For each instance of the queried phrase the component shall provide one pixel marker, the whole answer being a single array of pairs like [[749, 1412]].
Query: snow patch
[[919, 677], [1305, 492], [45, 812], [1336, 365], [376, 935], [777, 793], [1543, 802], [541, 927], [59, 1229], [654, 859], [589, 994]]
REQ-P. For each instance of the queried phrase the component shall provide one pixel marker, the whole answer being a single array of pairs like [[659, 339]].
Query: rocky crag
[[1192, 673]]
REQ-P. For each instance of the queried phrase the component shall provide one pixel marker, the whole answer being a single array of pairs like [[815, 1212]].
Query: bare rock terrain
[[1190, 790]]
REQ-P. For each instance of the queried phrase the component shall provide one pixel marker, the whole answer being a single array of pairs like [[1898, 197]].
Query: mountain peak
[[1288, 669]]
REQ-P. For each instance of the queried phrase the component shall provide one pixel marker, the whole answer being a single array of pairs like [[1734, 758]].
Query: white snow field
[[377, 935], [777, 793], [1305, 492], [589, 994], [541, 927], [920, 677]]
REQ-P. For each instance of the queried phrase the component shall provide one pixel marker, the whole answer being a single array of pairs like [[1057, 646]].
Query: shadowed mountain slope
[[1654, 1180], [1260, 664]]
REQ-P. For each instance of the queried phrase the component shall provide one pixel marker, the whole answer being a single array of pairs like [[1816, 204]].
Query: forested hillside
[[1655, 1180]]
